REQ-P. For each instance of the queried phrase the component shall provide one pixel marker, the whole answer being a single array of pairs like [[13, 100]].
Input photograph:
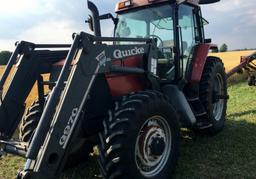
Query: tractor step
[[13, 147], [200, 114], [1, 152], [193, 99], [222, 97], [203, 125], [197, 107]]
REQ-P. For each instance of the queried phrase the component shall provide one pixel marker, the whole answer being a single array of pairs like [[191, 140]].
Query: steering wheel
[[160, 40]]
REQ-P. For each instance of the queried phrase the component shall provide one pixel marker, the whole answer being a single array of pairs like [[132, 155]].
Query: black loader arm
[[30, 64], [86, 59]]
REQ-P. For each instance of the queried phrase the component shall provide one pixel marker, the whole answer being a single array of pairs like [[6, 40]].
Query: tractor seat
[[165, 63]]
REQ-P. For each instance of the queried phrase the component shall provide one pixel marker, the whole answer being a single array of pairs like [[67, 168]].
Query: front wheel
[[81, 147], [141, 138]]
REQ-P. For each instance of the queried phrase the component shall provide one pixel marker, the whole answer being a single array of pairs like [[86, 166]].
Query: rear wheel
[[213, 94], [29, 122], [141, 138], [81, 147]]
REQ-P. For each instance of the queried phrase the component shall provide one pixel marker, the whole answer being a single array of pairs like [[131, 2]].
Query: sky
[[53, 21]]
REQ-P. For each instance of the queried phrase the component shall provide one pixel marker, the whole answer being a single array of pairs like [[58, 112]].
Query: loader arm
[[60, 120], [31, 64], [247, 63]]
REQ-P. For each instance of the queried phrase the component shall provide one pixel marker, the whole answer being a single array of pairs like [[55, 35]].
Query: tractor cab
[[176, 25]]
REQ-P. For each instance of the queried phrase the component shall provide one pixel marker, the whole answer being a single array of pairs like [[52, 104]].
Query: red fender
[[198, 62]]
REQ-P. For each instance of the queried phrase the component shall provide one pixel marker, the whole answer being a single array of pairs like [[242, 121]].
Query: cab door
[[189, 35]]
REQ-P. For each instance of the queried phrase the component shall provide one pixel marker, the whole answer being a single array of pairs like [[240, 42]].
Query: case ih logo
[[102, 59], [126, 53]]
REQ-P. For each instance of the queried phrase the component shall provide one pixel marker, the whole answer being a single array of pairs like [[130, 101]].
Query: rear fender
[[198, 62]]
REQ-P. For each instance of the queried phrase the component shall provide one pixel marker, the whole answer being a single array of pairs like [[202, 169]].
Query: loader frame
[[26, 58], [60, 121], [248, 64]]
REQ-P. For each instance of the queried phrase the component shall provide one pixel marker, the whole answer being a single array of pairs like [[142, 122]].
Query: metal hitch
[[252, 80]]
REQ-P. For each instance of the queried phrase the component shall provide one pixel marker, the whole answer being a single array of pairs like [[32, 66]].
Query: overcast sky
[[53, 21]]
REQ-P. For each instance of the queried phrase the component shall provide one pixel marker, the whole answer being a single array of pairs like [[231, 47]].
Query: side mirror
[[208, 40], [90, 23]]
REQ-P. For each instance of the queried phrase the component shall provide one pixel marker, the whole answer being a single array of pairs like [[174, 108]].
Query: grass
[[230, 154]]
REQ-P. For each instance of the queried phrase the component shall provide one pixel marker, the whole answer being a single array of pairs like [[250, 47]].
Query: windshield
[[154, 22], [151, 22]]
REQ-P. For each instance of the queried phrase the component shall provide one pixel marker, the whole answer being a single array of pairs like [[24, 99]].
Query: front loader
[[247, 63], [129, 95]]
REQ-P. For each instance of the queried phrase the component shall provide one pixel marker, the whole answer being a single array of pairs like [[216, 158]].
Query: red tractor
[[129, 97]]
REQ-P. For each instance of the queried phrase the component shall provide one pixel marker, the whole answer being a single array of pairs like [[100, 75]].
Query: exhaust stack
[[96, 18]]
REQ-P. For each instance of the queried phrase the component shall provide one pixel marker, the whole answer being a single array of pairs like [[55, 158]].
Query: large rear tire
[[29, 122], [141, 138], [213, 94], [81, 147]]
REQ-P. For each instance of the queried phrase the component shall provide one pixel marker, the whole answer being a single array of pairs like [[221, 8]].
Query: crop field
[[230, 154], [231, 59]]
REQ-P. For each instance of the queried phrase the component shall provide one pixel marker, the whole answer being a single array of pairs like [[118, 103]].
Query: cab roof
[[131, 4]]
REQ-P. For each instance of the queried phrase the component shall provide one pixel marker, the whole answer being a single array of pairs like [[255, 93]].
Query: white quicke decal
[[126, 53], [68, 127]]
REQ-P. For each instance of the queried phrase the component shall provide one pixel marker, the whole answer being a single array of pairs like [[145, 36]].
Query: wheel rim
[[153, 146], [218, 104]]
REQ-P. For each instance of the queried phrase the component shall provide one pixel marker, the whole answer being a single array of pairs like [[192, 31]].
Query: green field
[[227, 155]]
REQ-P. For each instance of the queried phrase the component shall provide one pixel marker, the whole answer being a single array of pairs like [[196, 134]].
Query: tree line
[[4, 57], [224, 48]]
